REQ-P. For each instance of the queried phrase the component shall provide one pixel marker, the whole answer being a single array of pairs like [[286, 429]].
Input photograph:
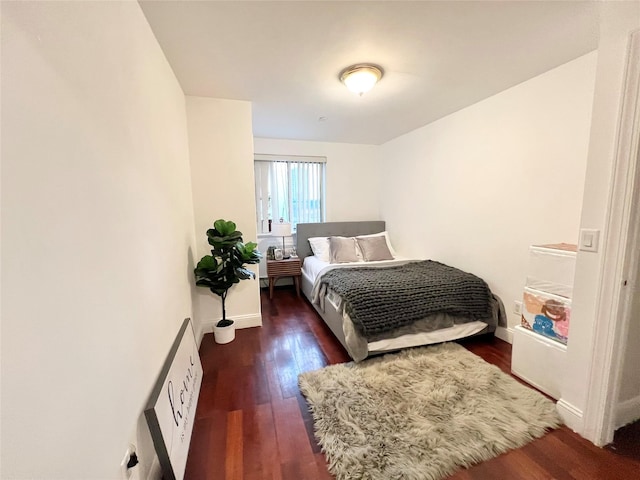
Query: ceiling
[[438, 57]]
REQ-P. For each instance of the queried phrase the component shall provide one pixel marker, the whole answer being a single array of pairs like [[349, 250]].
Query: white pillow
[[320, 248], [386, 236]]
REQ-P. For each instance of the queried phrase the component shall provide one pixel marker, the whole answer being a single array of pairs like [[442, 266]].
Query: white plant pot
[[224, 334]]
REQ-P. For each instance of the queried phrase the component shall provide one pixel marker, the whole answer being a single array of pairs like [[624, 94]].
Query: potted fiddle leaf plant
[[224, 268]]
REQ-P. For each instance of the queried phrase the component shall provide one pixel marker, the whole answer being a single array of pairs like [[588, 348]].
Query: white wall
[[221, 151], [97, 233], [352, 179], [476, 188]]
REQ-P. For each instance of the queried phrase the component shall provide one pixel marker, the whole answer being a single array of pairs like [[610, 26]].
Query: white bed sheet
[[357, 347], [427, 338], [312, 266]]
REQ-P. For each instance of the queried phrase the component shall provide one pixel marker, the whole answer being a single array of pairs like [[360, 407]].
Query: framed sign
[[171, 410]]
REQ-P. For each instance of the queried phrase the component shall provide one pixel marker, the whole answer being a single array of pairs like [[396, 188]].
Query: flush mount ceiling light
[[361, 78]]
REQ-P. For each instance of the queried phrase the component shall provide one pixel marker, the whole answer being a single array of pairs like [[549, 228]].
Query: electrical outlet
[[517, 307], [125, 471]]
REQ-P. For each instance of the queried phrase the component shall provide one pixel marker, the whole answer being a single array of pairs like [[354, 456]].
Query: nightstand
[[284, 268]]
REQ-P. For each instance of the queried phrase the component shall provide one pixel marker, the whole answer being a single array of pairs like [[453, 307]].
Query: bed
[[435, 327]]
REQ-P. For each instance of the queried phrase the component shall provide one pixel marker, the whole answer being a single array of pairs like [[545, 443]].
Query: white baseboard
[[241, 321], [505, 334], [248, 321], [627, 412], [571, 415]]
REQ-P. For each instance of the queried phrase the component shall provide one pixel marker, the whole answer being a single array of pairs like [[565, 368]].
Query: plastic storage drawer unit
[[538, 360]]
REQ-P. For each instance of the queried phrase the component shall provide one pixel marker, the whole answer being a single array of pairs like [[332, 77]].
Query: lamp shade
[[281, 229], [361, 78]]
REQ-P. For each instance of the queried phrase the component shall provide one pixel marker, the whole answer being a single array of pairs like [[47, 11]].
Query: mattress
[[357, 347]]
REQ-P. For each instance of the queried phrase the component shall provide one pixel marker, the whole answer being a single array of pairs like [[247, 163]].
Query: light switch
[[589, 239]]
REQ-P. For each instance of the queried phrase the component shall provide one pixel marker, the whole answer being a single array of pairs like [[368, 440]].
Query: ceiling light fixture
[[361, 78]]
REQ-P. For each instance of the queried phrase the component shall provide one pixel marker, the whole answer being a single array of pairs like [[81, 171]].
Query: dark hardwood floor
[[626, 441], [253, 423]]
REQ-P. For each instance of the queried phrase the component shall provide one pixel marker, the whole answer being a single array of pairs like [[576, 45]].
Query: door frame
[[620, 260]]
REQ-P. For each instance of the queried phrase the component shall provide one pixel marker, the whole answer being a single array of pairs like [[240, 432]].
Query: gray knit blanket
[[379, 300]]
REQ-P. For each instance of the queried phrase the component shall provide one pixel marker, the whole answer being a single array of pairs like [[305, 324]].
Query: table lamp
[[281, 229]]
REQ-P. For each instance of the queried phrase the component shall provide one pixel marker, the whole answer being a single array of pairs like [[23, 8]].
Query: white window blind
[[289, 187]]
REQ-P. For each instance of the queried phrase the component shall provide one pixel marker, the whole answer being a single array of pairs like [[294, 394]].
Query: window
[[289, 187]]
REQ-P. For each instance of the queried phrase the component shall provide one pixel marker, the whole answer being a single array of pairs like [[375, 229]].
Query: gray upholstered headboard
[[329, 229]]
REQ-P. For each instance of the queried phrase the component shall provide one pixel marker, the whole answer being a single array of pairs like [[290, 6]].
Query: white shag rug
[[420, 414]]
